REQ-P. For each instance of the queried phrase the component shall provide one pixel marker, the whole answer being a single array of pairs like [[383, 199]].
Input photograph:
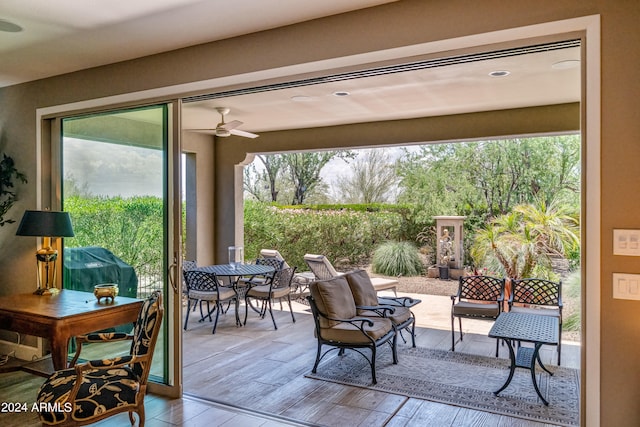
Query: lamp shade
[[45, 224]]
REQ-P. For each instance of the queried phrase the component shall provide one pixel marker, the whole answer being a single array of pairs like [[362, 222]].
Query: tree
[[304, 170], [254, 183], [372, 179], [488, 178], [523, 241], [273, 166]]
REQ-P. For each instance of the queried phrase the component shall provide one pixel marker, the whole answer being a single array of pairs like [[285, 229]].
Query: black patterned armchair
[[91, 391]]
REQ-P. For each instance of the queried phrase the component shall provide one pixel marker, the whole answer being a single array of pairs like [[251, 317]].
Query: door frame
[[49, 192]]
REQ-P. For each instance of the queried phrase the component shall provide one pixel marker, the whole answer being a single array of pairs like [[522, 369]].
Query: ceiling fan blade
[[246, 134], [230, 125]]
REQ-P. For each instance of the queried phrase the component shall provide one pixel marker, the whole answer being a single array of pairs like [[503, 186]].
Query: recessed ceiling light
[[563, 65], [301, 98], [499, 73], [9, 27], [341, 93]]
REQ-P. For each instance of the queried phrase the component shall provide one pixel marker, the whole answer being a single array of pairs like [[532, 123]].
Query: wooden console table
[[62, 316]]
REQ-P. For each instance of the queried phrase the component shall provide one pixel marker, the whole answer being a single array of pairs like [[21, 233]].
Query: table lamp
[[46, 224]]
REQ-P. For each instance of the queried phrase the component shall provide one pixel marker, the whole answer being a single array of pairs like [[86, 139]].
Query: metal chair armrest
[[381, 310]]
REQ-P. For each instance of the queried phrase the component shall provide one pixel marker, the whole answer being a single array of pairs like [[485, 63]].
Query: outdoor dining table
[[234, 272], [524, 327]]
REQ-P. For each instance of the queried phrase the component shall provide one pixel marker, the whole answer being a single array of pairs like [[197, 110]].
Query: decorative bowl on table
[[106, 290]]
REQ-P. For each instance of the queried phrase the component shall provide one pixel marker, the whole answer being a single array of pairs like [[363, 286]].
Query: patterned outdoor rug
[[463, 380]]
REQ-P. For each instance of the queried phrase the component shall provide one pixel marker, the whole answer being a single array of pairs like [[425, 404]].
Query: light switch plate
[[626, 242], [626, 286]]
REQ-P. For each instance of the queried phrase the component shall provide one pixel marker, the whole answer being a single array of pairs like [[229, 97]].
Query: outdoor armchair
[[538, 296], [323, 269], [478, 297], [338, 325], [368, 304], [91, 391], [272, 253], [301, 279]]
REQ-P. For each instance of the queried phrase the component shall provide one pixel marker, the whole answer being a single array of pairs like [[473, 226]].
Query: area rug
[[463, 380]]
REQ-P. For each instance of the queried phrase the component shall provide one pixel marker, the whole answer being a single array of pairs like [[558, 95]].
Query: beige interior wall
[[202, 148], [400, 24]]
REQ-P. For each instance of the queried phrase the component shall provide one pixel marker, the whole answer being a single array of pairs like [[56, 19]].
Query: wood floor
[[259, 373]]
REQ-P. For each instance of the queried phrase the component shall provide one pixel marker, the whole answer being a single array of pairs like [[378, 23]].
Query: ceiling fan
[[224, 130]]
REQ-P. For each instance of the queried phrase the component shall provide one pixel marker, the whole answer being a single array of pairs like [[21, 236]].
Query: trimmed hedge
[[347, 237]]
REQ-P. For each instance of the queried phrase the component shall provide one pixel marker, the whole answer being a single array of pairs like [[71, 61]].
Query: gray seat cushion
[[476, 309]]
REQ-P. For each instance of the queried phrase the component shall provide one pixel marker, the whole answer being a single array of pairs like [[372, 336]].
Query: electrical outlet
[[626, 286], [626, 242]]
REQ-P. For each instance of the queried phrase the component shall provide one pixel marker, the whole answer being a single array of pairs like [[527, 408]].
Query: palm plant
[[523, 241]]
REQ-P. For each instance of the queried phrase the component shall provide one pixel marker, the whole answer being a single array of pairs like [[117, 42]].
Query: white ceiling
[[60, 36], [67, 35]]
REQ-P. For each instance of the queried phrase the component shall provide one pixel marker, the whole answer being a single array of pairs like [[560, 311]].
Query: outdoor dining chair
[[538, 296], [478, 297], [186, 266], [204, 286], [278, 287], [256, 280]]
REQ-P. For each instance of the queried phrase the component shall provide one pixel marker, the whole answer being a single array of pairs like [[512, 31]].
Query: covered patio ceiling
[[545, 74]]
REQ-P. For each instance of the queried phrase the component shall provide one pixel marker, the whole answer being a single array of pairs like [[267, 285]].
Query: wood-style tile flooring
[[254, 376]]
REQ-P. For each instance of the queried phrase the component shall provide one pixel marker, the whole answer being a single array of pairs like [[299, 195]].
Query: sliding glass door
[[117, 184]]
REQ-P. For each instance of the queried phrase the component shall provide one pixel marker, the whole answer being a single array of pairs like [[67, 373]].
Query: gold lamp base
[[46, 263]]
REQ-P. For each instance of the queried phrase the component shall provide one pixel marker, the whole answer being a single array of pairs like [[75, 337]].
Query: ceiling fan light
[[9, 27], [499, 73], [223, 133]]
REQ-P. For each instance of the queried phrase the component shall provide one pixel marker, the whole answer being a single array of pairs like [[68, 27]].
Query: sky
[[107, 169], [113, 169]]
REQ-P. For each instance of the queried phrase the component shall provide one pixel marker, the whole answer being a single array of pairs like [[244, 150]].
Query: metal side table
[[537, 329]]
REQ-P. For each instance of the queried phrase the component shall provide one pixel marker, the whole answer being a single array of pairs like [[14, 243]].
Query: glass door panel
[[115, 187]]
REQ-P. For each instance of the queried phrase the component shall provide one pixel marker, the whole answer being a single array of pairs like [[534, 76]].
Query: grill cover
[[92, 265]]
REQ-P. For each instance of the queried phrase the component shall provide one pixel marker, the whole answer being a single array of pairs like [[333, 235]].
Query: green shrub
[[572, 322], [397, 258], [131, 228], [346, 237]]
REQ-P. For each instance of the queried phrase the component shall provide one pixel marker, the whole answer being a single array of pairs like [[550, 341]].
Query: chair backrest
[[481, 288], [332, 298], [201, 281], [364, 294], [272, 253], [186, 266], [189, 265], [536, 292], [320, 266], [145, 333], [283, 278], [276, 263]]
